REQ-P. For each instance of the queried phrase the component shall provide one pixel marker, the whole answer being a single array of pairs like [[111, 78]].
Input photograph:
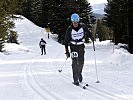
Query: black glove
[[67, 54]]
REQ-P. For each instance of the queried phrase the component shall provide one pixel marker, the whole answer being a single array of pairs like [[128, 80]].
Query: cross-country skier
[[42, 45], [75, 35]]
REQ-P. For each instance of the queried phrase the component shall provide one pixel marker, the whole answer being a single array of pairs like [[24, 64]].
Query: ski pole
[[93, 46], [95, 64], [60, 70]]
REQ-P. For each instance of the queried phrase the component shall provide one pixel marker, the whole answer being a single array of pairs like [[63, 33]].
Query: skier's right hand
[[67, 54]]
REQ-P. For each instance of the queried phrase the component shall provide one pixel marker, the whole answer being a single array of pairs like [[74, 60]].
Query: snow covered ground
[[26, 75]]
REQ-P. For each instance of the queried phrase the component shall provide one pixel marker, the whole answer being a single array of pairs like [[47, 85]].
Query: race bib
[[77, 35], [42, 43], [74, 54]]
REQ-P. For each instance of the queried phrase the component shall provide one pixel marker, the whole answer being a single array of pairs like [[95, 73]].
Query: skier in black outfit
[[42, 45], [74, 37]]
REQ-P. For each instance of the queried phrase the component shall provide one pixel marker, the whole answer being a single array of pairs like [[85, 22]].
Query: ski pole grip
[[93, 46]]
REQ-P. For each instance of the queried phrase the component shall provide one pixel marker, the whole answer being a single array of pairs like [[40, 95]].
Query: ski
[[82, 85]]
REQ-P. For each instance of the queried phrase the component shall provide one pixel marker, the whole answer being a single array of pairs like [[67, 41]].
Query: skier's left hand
[[67, 54]]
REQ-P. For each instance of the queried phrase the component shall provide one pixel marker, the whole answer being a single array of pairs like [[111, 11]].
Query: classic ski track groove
[[35, 86], [102, 91], [99, 92]]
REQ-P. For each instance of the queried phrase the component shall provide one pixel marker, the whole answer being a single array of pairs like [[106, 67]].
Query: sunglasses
[[75, 22]]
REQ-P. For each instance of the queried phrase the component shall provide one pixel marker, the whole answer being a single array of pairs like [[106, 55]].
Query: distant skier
[[74, 37], [42, 45]]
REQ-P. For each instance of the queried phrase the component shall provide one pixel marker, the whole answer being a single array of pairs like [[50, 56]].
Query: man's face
[[75, 24]]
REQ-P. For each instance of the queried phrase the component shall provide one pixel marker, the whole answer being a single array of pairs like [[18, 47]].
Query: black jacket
[[69, 30], [42, 43]]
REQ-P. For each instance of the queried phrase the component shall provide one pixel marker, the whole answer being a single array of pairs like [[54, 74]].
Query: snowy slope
[[26, 75]]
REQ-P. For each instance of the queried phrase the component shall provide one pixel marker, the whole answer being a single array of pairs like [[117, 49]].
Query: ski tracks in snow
[[100, 92], [104, 93], [35, 85]]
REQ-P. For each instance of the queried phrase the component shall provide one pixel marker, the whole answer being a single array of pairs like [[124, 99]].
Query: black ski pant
[[77, 55], [43, 49]]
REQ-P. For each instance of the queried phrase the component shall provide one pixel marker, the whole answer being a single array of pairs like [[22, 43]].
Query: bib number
[[74, 54]]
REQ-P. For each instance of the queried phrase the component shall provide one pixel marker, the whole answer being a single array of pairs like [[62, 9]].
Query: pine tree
[[25, 6], [7, 10], [114, 18], [36, 11], [129, 25], [121, 25], [47, 12], [119, 19], [102, 30]]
